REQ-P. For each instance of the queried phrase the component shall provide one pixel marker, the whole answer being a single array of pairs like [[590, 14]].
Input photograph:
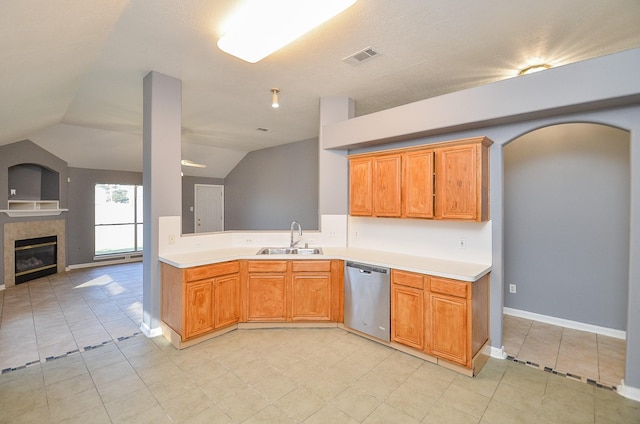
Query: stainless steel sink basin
[[288, 251]]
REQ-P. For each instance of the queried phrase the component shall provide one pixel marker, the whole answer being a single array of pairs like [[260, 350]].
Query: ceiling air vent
[[263, 129], [362, 55]]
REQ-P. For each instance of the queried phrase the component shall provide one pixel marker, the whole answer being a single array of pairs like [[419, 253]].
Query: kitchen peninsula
[[440, 308]]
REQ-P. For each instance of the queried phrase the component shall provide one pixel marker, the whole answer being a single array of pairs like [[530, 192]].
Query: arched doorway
[[566, 248]]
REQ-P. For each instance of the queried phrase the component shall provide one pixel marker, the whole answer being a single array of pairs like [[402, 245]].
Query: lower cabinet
[[311, 291], [298, 290], [446, 318], [198, 300], [198, 308], [266, 291], [407, 309]]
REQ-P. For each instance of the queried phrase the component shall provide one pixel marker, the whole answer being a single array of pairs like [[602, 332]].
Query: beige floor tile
[[155, 415], [503, 413], [63, 368], [526, 378], [443, 413], [276, 386], [377, 384], [356, 403], [111, 372], [186, 405], [74, 406], [115, 389], [465, 400], [270, 415], [128, 406], [300, 404], [243, 404], [224, 386], [388, 414], [330, 414], [411, 401], [211, 415]]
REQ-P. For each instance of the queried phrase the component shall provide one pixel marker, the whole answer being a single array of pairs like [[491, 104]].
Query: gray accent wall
[[27, 152], [566, 225], [81, 215], [188, 199], [271, 187]]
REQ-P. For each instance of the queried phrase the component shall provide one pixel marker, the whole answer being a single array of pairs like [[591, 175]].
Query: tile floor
[[583, 355], [248, 376]]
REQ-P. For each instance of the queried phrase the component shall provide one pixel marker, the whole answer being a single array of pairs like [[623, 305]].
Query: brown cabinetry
[[440, 181], [361, 186], [311, 291], [446, 318], [417, 184], [195, 301], [299, 290], [462, 182], [375, 185], [267, 291], [407, 309]]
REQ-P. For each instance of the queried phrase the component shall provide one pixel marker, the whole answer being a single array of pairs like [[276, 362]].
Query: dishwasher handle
[[367, 269]]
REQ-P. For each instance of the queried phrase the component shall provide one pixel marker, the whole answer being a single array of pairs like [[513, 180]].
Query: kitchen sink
[[289, 251]]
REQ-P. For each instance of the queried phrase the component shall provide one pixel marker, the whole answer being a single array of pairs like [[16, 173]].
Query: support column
[[333, 165], [162, 191]]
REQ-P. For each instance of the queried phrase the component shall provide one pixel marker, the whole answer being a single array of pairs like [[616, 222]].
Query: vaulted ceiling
[[71, 71]]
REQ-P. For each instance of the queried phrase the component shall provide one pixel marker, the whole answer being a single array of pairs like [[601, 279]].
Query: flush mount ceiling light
[[534, 68], [275, 103], [185, 162], [261, 27]]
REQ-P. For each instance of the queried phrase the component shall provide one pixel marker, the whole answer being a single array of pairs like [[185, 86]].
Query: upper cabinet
[[439, 181], [462, 181]]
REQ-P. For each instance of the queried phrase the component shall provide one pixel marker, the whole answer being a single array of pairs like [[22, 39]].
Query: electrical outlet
[[248, 241], [332, 234], [512, 288], [172, 239], [462, 243], [356, 234]]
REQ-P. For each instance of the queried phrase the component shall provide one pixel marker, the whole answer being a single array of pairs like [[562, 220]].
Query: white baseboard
[[611, 332], [629, 392], [150, 332], [122, 260], [498, 352]]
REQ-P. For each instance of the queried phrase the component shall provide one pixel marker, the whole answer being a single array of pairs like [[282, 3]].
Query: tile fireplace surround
[[23, 230]]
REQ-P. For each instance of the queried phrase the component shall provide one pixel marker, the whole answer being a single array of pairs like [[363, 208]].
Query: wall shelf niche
[[22, 208]]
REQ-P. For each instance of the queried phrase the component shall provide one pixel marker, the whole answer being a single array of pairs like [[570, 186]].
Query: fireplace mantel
[[21, 208]]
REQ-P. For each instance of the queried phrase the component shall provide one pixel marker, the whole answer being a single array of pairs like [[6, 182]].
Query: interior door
[[209, 210]]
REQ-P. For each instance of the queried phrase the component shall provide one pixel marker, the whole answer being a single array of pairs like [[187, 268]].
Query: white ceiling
[[71, 71]]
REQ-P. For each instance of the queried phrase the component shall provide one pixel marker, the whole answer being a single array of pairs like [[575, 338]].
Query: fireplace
[[35, 258], [14, 231]]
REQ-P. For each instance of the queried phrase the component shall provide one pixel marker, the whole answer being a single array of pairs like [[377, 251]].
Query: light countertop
[[464, 271]]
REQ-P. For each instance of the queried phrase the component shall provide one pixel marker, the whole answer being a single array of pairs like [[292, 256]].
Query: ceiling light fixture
[[261, 27], [185, 162], [274, 98], [534, 68]]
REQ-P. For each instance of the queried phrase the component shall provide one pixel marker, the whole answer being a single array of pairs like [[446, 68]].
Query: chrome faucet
[[293, 225]]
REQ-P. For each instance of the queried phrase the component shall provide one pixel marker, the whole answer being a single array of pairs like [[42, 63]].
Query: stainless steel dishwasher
[[367, 306]]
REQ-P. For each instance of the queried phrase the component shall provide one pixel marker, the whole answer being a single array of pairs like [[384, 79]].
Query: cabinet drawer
[[316, 266], [209, 271], [450, 287], [409, 279], [267, 266]]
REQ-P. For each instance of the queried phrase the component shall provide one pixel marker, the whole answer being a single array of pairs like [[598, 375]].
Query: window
[[118, 219]]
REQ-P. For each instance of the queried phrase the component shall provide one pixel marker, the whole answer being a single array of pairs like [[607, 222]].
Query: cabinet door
[[198, 304], [311, 297], [407, 316], [449, 327], [361, 186], [417, 184], [226, 309], [457, 192], [266, 297], [387, 185]]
